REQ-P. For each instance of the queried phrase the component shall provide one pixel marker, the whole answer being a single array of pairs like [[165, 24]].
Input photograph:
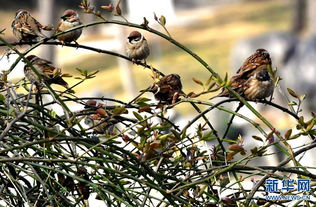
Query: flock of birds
[[252, 80]]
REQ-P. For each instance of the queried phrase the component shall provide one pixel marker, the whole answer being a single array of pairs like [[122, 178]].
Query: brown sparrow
[[49, 73], [103, 120], [256, 87], [259, 60], [253, 80], [69, 20], [137, 48], [168, 89], [25, 28], [99, 124]]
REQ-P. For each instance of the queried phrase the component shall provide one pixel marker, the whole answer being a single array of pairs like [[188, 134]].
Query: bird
[[99, 124], [50, 74], [137, 47], [259, 60], [168, 89], [69, 19], [25, 27], [252, 80]]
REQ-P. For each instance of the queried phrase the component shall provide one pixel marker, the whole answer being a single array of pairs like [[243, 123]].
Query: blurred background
[[222, 32]]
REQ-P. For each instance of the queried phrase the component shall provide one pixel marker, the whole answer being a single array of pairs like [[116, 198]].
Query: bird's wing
[[32, 26], [253, 62], [47, 68]]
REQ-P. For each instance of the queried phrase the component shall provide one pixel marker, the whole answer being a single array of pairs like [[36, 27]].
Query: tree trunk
[[47, 16]]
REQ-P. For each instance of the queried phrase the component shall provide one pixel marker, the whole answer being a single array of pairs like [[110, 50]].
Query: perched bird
[[25, 28], [137, 48], [103, 119], [259, 60], [256, 87], [49, 73], [99, 124], [168, 89], [253, 80], [69, 20]]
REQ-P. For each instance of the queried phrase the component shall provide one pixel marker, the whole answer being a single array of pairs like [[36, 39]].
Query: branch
[[87, 48]]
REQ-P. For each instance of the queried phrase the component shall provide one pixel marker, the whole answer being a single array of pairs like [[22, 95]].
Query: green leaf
[[301, 120], [288, 134], [292, 93], [138, 116], [162, 20], [164, 137], [52, 114], [92, 75], [142, 100], [208, 136], [302, 97], [82, 72], [11, 112], [2, 98], [209, 80], [311, 125], [295, 136], [119, 110], [226, 78], [292, 103], [162, 127], [277, 80]]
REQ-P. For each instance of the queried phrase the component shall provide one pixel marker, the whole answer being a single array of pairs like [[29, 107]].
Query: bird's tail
[[59, 81]]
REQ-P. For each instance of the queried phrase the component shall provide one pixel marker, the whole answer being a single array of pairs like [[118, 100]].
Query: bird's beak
[[63, 17]]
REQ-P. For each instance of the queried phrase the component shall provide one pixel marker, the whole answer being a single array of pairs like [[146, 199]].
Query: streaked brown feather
[[25, 27], [168, 88], [246, 82], [260, 58], [50, 73]]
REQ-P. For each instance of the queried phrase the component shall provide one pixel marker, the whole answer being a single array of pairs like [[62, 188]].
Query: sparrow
[[99, 124], [259, 60], [256, 87], [103, 119], [252, 80], [25, 28], [137, 47], [69, 20], [49, 73], [168, 89]]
